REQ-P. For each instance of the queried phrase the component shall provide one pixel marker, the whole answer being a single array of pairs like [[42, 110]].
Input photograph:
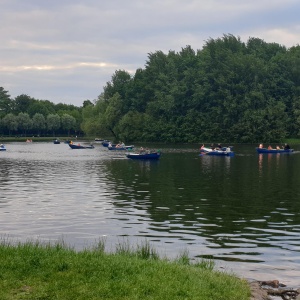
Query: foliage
[[228, 91]]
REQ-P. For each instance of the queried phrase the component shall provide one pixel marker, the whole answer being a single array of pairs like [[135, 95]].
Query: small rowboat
[[143, 155], [120, 148], [2, 147], [265, 150], [225, 151], [78, 146]]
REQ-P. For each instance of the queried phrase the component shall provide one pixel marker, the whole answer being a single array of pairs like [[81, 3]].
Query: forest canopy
[[228, 91]]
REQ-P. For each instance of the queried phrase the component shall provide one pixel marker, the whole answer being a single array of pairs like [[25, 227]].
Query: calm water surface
[[243, 211]]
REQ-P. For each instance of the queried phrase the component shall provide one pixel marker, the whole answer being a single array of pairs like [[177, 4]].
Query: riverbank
[[43, 271]]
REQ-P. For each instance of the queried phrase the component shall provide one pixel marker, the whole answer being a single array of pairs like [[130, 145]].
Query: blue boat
[[2, 147], [224, 151], [274, 151], [144, 155], [106, 143]]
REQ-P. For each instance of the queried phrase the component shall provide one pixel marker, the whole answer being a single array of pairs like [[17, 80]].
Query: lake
[[242, 211]]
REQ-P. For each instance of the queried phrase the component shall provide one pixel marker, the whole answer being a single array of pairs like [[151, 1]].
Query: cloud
[[69, 49]]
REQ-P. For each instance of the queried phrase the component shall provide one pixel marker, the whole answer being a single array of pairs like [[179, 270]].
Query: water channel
[[242, 211]]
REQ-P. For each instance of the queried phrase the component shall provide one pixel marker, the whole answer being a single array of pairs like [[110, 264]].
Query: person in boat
[[277, 148], [71, 142], [219, 147], [260, 146], [212, 146], [142, 150], [109, 144], [286, 146], [270, 147]]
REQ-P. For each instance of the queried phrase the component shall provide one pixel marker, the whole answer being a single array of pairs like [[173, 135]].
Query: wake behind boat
[[222, 151]]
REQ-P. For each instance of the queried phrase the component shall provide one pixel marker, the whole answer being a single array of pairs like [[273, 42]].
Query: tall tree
[[39, 122], [53, 122], [24, 122], [10, 121], [5, 102], [68, 123]]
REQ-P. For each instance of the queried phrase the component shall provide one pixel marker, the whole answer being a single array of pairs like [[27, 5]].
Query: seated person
[[286, 146], [261, 146], [270, 147]]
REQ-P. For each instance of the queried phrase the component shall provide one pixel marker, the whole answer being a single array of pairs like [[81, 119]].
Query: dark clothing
[[287, 147]]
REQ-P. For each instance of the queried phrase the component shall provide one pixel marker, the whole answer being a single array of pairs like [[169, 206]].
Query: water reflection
[[242, 210]]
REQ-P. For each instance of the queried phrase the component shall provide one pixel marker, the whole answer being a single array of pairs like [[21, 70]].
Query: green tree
[[39, 123], [5, 102], [22, 103], [53, 122], [10, 121], [24, 122], [68, 123]]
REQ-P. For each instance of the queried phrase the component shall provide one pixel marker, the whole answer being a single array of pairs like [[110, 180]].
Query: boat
[[118, 148], [2, 147], [224, 151], [79, 146], [105, 143], [144, 155], [56, 141], [266, 150], [99, 140]]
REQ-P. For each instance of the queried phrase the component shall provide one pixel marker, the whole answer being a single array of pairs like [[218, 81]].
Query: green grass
[[43, 271]]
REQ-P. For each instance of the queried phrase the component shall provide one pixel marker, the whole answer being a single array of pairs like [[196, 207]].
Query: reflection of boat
[[265, 150], [224, 151], [2, 147], [120, 147], [144, 155], [56, 141], [78, 146]]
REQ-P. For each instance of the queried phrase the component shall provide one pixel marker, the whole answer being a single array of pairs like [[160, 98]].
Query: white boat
[[2, 147]]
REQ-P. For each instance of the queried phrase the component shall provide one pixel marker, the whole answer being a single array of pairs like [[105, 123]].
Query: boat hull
[[223, 152], [154, 155], [73, 146], [274, 151], [120, 148]]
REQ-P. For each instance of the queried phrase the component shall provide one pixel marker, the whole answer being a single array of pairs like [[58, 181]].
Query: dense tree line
[[228, 91], [24, 116]]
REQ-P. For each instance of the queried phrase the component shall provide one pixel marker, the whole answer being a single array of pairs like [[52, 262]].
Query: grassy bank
[[39, 271]]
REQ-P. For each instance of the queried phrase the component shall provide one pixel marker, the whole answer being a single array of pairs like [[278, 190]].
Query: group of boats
[[148, 154], [141, 154], [227, 151]]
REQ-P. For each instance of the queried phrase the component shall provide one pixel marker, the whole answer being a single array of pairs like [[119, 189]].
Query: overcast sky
[[66, 50]]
